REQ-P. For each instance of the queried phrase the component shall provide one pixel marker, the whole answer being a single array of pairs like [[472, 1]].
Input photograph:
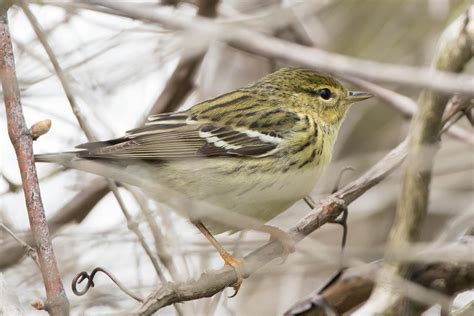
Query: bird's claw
[[286, 241], [236, 264]]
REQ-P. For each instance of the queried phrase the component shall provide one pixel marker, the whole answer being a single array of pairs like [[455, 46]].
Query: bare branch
[[57, 303]]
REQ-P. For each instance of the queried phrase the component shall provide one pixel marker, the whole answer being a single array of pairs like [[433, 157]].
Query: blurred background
[[120, 69]]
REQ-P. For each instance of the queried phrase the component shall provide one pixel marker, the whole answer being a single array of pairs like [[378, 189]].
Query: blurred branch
[[9, 298], [73, 211], [159, 238], [408, 107], [356, 284], [467, 310], [59, 71], [257, 43], [180, 84], [133, 226], [30, 252], [454, 51], [57, 302], [207, 8], [12, 186]]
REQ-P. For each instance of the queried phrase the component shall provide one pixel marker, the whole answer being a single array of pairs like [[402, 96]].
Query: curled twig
[[90, 283]]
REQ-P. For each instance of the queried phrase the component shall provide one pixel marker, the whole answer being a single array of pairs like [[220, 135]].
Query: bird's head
[[312, 92]]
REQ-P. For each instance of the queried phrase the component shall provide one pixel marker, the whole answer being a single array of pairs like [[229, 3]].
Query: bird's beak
[[355, 96]]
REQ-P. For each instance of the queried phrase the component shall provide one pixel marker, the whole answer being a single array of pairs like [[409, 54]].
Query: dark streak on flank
[[313, 155], [315, 136], [302, 147], [248, 189]]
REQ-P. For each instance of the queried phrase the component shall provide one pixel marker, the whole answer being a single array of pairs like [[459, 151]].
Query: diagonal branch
[[59, 71]]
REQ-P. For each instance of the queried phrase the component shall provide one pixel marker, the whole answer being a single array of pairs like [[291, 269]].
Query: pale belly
[[249, 200]]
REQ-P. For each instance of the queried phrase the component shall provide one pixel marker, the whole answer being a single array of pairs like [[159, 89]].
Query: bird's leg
[[277, 234], [234, 262]]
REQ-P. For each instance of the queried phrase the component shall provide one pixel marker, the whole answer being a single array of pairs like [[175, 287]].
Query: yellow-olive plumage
[[252, 152]]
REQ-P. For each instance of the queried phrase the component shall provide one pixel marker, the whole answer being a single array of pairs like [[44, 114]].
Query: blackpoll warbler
[[253, 152]]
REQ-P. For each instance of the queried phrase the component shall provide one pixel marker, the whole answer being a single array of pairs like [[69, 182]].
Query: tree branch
[[57, 303]]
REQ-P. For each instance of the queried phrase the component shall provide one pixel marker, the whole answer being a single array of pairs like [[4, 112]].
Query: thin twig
[[133, 226], [57, 302], [30, 252], [59, 71], [162, 252]]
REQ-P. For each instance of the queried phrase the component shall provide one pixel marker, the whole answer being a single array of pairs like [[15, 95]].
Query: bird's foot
[[286, 241], [237, 264]]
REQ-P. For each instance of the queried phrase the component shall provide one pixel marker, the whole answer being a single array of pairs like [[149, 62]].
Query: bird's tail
[[103, 167], [63, 158]]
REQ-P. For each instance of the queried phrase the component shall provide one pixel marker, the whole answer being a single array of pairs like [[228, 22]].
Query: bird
[[232, 162]]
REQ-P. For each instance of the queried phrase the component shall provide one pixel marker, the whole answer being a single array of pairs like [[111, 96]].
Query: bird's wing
[[205, 130]]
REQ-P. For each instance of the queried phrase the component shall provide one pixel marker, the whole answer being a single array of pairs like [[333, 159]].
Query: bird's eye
[[325, 93]]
